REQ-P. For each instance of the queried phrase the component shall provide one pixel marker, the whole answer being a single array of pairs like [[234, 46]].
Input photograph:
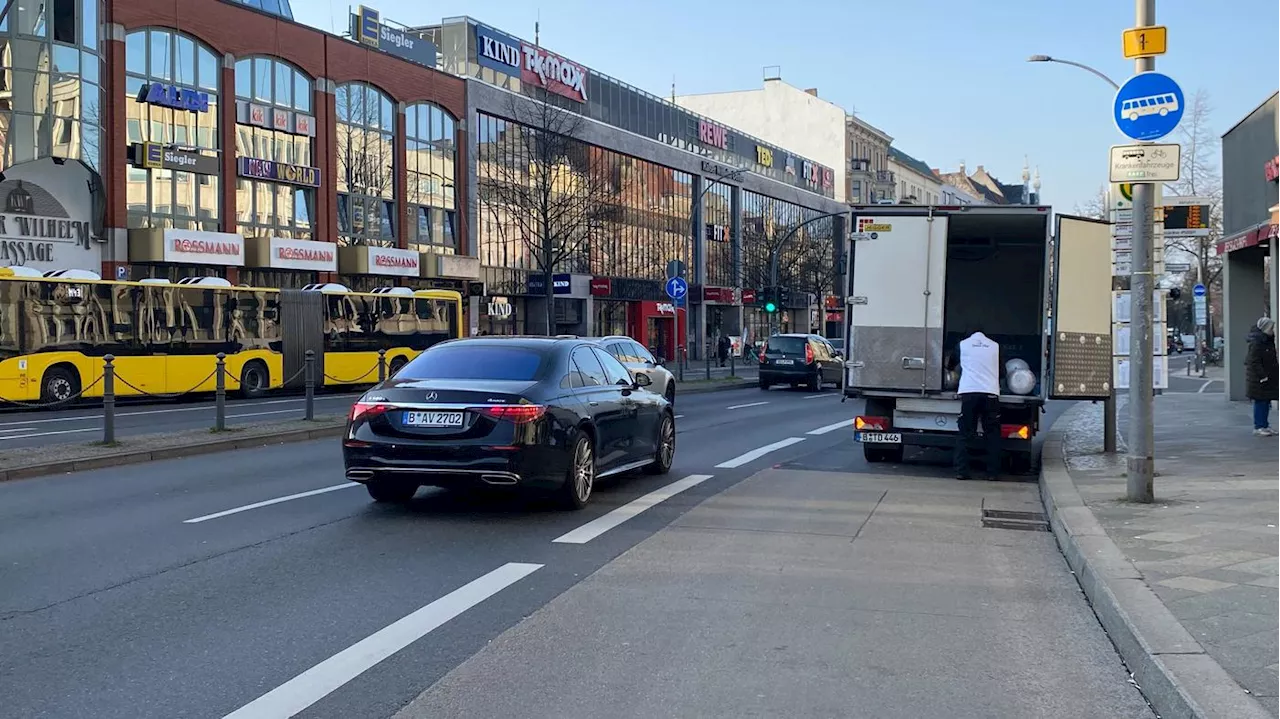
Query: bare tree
[[546, 189], [365, 161], [1200, 177], [1095, 207]]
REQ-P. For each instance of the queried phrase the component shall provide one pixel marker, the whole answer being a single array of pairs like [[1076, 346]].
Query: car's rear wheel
[[581, 477], [382, 490], [666, 453], [764, 383], [815, 382]]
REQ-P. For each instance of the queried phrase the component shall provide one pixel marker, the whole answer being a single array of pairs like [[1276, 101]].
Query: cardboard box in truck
[[921, 278]]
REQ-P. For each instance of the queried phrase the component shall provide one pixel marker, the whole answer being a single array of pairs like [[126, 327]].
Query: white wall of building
[[785, 115], [926, 189], [952, 195]]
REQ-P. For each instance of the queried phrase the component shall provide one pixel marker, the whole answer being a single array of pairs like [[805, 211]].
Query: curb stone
[[1170, 667], [322, 430]]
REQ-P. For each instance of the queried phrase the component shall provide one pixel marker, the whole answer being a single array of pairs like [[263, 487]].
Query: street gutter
[[135, 450], [1170, 667]]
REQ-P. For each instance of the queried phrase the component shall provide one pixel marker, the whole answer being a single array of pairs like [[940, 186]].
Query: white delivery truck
[[920, 277]]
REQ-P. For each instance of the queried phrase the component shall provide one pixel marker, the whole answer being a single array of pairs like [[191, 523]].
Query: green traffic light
[[770, 307]]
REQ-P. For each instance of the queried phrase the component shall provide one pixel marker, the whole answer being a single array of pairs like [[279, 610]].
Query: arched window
[[179, 111], [50, 68], [366, 159], [431, 154], [276, 198]]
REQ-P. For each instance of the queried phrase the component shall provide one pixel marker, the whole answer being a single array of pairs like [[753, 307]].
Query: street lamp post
[[1109, 404], [777, 251]]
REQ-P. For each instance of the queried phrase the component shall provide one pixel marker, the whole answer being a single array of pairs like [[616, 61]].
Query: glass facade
[[806, 263], [642, 209], [280, 8], [431, 153], [366, 164], [717, 219], [179, 66], [50, 70], [616, 103], [265, 208]]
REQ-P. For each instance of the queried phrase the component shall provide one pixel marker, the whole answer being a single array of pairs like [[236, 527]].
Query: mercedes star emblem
[[431, 396]]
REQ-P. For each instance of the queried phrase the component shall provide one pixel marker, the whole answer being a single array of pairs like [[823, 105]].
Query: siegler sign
[[47, 216]]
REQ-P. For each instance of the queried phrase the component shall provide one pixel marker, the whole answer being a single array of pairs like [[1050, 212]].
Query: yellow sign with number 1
[[1146, 41]]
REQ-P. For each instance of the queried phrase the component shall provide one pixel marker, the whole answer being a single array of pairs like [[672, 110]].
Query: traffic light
[[783, 297], [769, 301]]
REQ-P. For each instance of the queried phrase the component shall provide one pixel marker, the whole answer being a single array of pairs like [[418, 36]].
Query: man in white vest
[[979, 361]]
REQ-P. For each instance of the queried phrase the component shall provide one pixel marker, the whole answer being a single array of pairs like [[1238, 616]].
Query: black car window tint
[[785, 345], [613, 370], [592, 373], [479, 360]]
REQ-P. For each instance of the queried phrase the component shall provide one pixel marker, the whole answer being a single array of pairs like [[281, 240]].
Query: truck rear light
[[1015, 431], [808, 353], [871, 424], [366, 410], [517, 413]]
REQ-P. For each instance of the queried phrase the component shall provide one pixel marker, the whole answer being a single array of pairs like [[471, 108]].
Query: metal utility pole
[[1141, 459]]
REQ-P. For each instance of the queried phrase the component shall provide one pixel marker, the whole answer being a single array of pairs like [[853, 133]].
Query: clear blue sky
[[948, 80]]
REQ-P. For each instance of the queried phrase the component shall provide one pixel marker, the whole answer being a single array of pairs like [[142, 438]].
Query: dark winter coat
[[1260, 372], [723, 346]]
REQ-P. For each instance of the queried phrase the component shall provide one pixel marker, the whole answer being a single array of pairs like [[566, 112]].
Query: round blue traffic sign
[[1198, 290], [1148, 106], [677, 288]]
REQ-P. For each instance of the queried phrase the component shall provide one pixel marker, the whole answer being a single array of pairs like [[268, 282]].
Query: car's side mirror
[[642, 380]]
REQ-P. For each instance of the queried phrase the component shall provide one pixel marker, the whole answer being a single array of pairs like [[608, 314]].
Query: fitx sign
[[1145, 163]]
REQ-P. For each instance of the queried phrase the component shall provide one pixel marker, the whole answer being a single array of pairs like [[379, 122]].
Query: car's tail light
[[808, 353], [873, 424], [517, 413], [367, 410], [1015, 431]]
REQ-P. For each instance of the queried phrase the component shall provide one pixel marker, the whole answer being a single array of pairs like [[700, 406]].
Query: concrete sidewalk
[[1207, 549], [812, 594]]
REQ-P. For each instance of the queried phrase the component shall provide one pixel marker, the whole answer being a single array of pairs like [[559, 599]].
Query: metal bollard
[[679, 365], [220, 395], [108, 399], [1188, 366], [382, 365], [733, 364], [309, 380], [708, 358]]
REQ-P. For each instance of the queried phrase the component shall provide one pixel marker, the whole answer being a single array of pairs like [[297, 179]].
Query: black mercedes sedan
[[536, 413]]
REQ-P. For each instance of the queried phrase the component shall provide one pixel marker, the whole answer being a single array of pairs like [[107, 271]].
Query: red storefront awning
[[1251, 237]]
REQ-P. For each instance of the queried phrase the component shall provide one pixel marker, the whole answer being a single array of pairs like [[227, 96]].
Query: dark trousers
[[975, 409]]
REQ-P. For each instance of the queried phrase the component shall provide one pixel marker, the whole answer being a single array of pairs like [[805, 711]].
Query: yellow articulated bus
[[165, 337]]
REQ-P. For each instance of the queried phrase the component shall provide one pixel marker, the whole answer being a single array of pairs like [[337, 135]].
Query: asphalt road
[[78, 425], [260, 584]]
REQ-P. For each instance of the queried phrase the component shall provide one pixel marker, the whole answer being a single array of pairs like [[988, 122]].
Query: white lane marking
[[269, 502], [755, 454], [744, 406], [1205, 386], [820, 396], [832, 427], [600, 525], [202, 408], [47, 434], [679, 416], [17, 429], [319, 681]]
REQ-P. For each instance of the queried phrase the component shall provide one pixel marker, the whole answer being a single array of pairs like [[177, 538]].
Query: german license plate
[[784, 361], [433, 419], [879, 437]]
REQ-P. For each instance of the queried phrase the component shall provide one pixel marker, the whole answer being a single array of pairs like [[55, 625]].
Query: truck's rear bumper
[[947, 440]]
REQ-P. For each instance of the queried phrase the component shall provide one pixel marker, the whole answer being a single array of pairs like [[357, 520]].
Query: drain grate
[[1014, 519]]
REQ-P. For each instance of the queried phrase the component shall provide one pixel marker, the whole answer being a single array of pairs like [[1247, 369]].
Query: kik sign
[[179, 98]]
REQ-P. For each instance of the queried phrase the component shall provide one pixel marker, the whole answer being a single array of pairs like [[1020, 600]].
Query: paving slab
[[1206, 547]]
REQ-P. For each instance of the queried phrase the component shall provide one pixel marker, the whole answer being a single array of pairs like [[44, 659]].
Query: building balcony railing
[[884, 176]]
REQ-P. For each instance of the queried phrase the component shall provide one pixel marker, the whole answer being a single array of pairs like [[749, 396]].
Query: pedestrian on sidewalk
[[979, 361], [1260, 374], [722, 349]]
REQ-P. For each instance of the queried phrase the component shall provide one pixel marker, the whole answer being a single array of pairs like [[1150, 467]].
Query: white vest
[[979, 365]]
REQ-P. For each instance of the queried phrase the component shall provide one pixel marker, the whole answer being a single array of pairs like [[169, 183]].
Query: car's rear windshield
[[475, 362], [788, 345]]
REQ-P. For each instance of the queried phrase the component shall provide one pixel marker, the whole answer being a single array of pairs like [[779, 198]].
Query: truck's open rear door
[[896, 302], [1080, 343]]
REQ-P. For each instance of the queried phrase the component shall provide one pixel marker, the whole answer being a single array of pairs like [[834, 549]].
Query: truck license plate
[[878, 437], [433, 419]]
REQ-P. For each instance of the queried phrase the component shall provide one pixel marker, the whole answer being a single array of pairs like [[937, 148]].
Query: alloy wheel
[[667, 442], [584, 471]]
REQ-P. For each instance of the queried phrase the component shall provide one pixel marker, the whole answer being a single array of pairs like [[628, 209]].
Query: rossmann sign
[[512, 56]]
